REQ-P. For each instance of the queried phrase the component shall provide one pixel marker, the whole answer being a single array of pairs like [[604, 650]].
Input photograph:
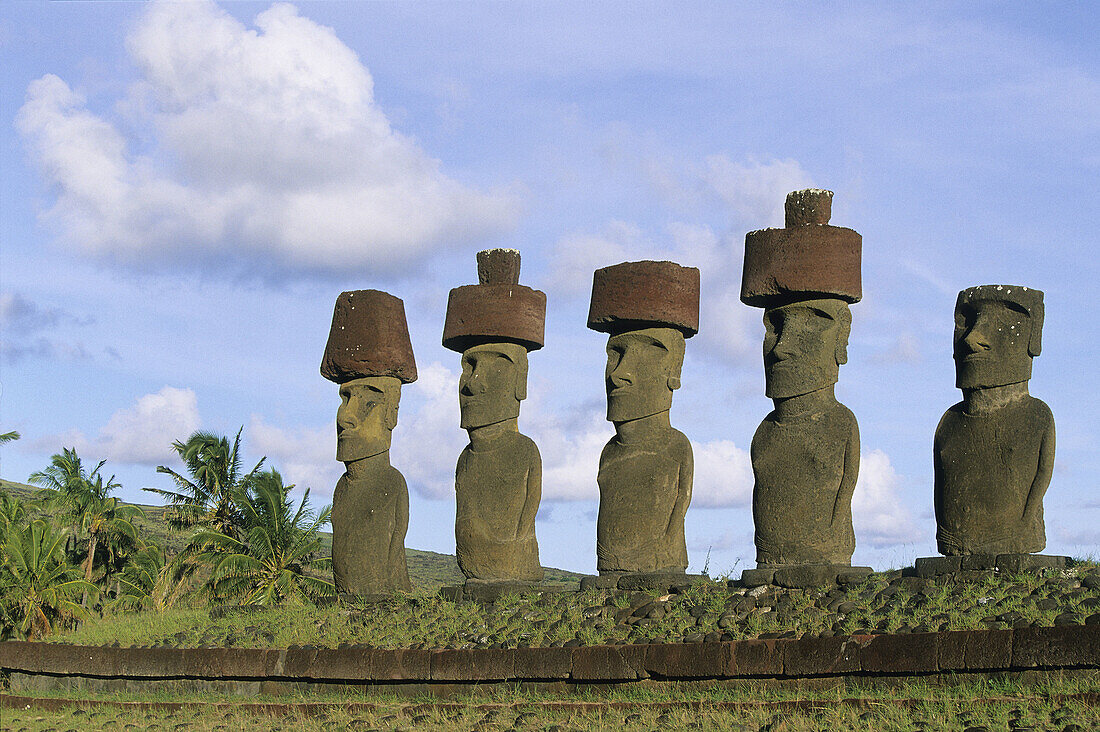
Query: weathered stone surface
[[495, 313], [657, 581], [852, 575], [369, 354], [814, 656], [498, 266], [498, 480], [600, 582], [1074, 645], [757, 577], [808, 206], [1030, 562], [370, 506], [646, 469], [805, 465], [994, 451], [807, 258], [805, 454], [468, 664], [368, 337], [485, 592], [635, 295], [609, 663], [543, 663], [401, 664], [936, 566], [974, 650], [811, 575], [758, 657], [688, 660], [909, 653]]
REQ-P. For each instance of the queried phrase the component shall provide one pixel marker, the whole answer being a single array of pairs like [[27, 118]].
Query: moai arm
[[1042, 475], [400, 519], [851, 474], [683, 486], [526, 526]]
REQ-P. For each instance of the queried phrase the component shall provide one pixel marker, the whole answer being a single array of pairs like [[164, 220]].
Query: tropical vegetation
[[74, 552]]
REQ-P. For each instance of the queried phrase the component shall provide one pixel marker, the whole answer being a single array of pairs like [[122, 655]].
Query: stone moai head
[[805, 342], [493, 324], [366, 417], [370, 356], [648, 309], [804, 276], [998, 331]]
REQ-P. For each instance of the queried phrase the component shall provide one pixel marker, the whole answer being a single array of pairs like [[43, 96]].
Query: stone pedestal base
[[803, 575], [646, 581], [489, 592], [928, 567], [346, 598]]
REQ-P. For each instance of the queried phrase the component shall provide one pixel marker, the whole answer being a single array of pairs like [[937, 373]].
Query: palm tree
[[9, 436], [86, 502], [206, 499], [142, 582], [269, 563], [12, 513], [69, 488], [41, 584]]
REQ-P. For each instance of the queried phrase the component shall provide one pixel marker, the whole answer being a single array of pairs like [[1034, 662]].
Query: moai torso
[[804, 469], [498, 488], [990, 478], [370, 516], [645, 489], [993, 452]]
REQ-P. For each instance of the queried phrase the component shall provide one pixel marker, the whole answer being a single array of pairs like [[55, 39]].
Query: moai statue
[[498, 481], [370, 356], [994, 450], [805, 454], [648, 309]]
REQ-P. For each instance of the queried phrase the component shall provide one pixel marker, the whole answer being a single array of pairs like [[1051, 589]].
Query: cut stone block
[[645, 294], [928, 567]]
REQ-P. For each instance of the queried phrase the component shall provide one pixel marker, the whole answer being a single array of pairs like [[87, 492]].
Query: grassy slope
[[427, 570]]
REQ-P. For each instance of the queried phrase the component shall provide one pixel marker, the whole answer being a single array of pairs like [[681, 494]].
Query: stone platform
[[937, 566], [802, 576], [662, 582], [489, 592]]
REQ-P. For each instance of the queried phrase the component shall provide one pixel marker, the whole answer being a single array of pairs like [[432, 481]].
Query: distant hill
[[427, 570]]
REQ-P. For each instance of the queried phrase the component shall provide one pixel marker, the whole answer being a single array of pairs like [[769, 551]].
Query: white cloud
[[141, 434], [262, 144], [723, 475], [305, 457], [428, 439], [880, 517], [755, 191], [750, 192]]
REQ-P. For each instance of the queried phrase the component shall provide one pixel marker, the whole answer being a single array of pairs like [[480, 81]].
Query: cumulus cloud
[[260, 144], [751, 192], [304, 456], [427, 440], [880, 517], [141, 434], [723, 475], [27, 330]]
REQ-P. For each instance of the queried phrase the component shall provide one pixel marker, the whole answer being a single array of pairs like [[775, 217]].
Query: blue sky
[[187, 187]]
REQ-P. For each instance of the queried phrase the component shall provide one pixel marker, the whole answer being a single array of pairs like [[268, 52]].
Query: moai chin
[[370, 356], [498, 480], [994, 450], [647, 309], [805, 454]]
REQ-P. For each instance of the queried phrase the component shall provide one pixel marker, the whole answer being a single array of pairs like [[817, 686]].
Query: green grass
[[884, 603], [957, 708], [428, 571]]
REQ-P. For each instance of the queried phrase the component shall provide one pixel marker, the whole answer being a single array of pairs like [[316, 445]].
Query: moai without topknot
[[994, 450], [805, 454], [370, 356], [648, 309], [498, 481]]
